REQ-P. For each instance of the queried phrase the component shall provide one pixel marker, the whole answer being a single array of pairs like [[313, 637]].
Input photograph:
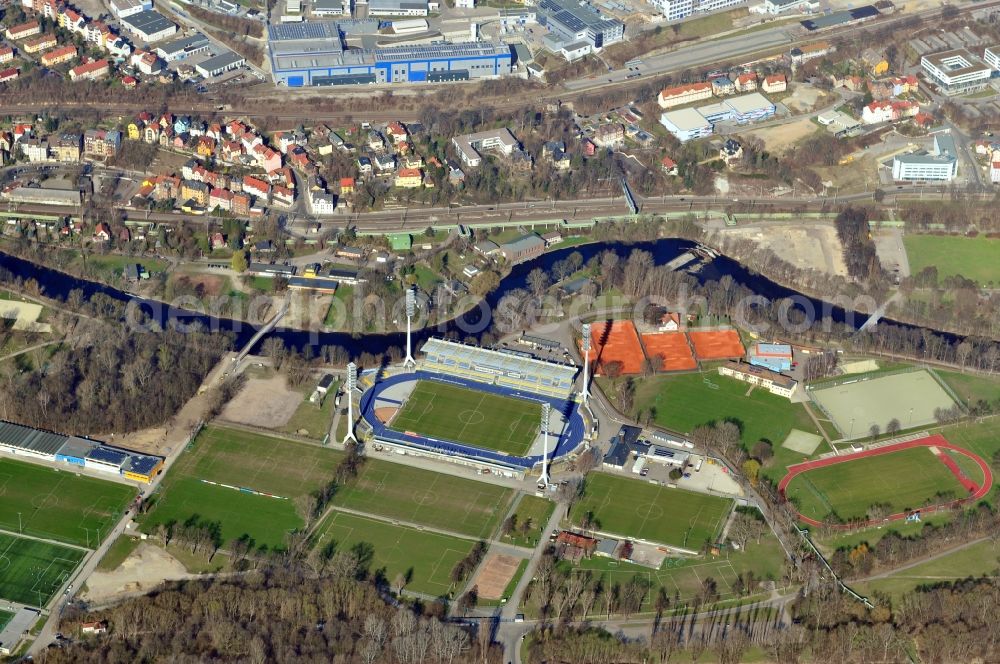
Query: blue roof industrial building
[[313, 53]]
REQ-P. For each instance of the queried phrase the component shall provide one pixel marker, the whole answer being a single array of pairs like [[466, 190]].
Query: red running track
[[976, 492]]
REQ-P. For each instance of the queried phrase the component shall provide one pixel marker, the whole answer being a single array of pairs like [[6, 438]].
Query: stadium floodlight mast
[[352, 379], [411, 310], [585, 393], [544, 479]]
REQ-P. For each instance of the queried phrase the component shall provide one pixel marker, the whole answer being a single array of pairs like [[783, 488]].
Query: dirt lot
[[263, 402], [805, 98], [780, 138], [495, 574], [146, 568], [810, 246], [307, 311]]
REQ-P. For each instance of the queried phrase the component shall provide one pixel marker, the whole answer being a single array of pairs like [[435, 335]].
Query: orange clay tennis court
[[616, 341], [717, 344], [673, 348]]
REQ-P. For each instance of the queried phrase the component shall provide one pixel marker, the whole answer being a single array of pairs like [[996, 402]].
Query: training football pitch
[[903, 480], [31, 572], [651, 512], [57, 504], [268, 464], [473, 417], [909, 398], [426, 558], [432, 499]]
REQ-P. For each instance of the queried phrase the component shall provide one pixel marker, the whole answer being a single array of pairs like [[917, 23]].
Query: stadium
[[477, 407]]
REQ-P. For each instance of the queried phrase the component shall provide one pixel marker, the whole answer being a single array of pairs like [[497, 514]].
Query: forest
[[273, 615]]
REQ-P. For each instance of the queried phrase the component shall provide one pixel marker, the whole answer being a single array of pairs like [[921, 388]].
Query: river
[[56, 284]]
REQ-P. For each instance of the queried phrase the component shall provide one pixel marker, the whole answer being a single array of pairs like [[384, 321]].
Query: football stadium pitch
[[31, 572], [425, 558], [904, 480], [421, 496], [260, 463], [473, 417], [59, 505], [910, 398], [632, 508]]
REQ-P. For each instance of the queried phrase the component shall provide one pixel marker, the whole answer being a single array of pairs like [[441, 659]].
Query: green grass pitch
[[59, 505], [973, 258], [5, 617], [427, 558], [459, 414], [263, 463], [432, 499], [904, 480], [31, 572], [634, 508]]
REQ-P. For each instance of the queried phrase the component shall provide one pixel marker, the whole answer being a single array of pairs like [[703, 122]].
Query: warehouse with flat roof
[[220, 64], [686, 124], [149, 26], [313, 53]]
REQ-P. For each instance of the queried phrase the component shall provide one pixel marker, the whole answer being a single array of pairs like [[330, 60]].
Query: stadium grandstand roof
[[26, 438], [489, 365]]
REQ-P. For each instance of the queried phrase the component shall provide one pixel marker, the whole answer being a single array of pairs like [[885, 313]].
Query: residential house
[[97, 627], [101, 142], [385, 162], [23, 30], [204, 146], [683, 94], [257, 188], [267, 159], [397, 132], [241, 205], [809, 52], [66, 147], [151, 134], [730, 151], [90, 71], [283, 195], [888, 111], [364, 165], [609, 135], [221, 199], [669, 166], [875, 62], [995, 171], [346, 186], [40, 43], [746, 82], [34, 149], [102, 232], [217, 241], [58, 56], [722, 86], [6, 53], [197, 192], [321, 203], [774, 83], [409, 178]]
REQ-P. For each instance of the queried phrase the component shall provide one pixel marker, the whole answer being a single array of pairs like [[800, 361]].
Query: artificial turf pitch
[[426, 558], [420, 496], [31, 572], [59, 505], [472, 417], [904, 480], [651, 512]]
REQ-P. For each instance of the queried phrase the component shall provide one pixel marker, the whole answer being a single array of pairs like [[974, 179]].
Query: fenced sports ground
[[31, 571], [854, 405], [616, 341], [651, 512], [672, 349], [717, 344], [475, 417], [927, 474], [58, 504]]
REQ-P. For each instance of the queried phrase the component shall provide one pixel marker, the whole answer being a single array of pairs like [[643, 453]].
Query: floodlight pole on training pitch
[[352, 379], [585, 393], [411, 309], [544, 479]]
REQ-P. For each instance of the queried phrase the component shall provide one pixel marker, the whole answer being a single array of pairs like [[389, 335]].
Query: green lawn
[[683, 402], [904, 480], [976, 560], [532, 515], [971, 388], [313, 419], [973, 258], [634, 508], [397, 491], [426, 558], [114, 265], [5, 617], [121, 549], [473, 417], [339, 313], [57, 504], [279, 466], [31, 572], [831, 541]]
